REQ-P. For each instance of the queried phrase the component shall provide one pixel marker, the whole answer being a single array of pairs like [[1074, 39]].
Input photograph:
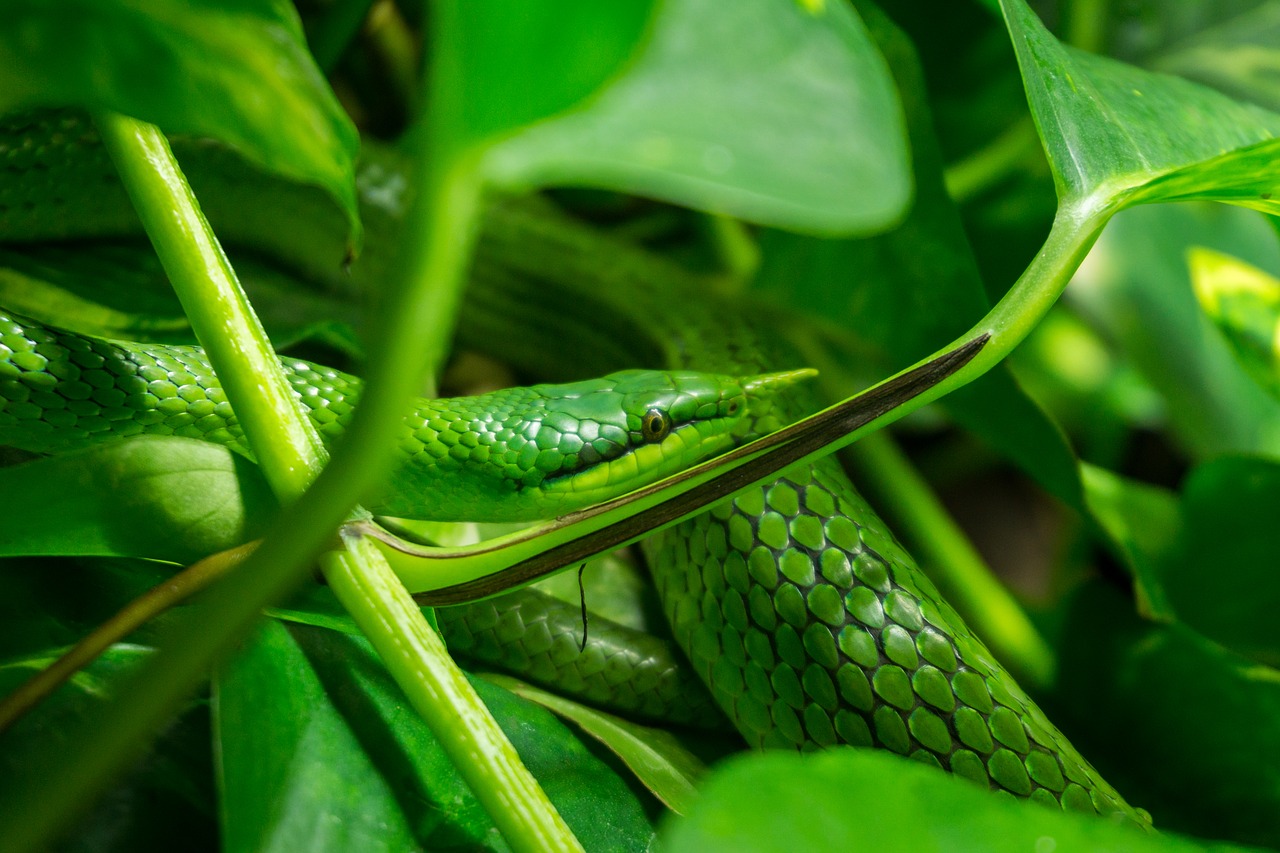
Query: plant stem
[[951, 561], [286, 444], [417, 659]]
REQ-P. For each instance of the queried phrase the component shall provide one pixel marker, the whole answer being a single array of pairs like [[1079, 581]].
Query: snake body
[[808, 622]]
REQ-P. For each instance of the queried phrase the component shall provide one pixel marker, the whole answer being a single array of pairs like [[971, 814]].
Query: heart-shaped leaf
[[1117, 135], [780, 113]]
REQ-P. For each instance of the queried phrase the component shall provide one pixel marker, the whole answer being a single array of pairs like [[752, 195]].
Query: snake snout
[[771, 383]]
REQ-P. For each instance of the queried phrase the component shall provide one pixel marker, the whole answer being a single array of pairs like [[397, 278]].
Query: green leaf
[[1244, 303], [510, 63], [1117, 135], [168, 793], [239, 72], [1228, 522], [602, 811], [160, 497], [659, 760], [846, 799], [1178, 723], [292, 773], [780, 113]]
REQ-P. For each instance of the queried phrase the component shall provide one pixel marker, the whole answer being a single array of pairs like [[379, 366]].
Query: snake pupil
[[655, 425]]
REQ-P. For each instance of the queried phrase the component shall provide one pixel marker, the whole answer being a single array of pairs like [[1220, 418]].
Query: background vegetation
[[880, 176]]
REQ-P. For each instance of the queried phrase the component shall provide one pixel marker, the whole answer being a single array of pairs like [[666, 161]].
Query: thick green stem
[[285, 442], [1074, 231], [951, 560], [417, 659]]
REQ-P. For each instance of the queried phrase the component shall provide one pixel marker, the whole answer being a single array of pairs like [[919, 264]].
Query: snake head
[[638, 426], [525, 454]]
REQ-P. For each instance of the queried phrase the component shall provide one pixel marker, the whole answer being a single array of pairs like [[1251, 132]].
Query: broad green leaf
[[846, 799], [1117, 135], [778, 113], [910, 291], [657, 759], [116, 289], [1244, 303], [166, 796], [53, 602], [1180, 725], [1236, 51], [96, 681], [1221, 576], [1143, 522], [238, 72], [160, 497], [100, 289], [509, 63], [292, 773], [600, 808], [1135, 290]]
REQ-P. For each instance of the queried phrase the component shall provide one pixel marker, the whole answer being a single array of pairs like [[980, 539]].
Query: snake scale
[[808, 622]]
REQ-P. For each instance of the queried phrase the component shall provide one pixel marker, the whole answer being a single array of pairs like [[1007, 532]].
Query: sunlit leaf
[[777, 113], [1117, 135], [292, 773], [847, 799], [1244, 303], [240, 73]]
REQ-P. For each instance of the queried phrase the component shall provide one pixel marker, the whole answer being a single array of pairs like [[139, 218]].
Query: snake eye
[[655, 425]]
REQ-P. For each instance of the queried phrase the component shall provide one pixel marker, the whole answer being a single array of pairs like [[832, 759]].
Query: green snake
[[807, 621]]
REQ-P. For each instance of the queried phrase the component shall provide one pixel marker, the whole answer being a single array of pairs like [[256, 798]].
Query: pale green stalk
[[445, 699], [287, 446], [950, 559]]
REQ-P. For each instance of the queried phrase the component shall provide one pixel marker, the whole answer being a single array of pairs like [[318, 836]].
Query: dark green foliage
[[896, 169]]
